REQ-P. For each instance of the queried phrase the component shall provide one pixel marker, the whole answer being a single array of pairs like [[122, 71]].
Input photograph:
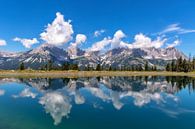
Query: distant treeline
[[71, 66], [179, 65]]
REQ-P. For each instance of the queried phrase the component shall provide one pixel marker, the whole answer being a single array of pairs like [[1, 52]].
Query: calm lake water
[[98, 103]]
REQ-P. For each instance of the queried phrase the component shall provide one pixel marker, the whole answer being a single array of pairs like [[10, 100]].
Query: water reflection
[[26, 93], [57, 104], [2, 92], [57, 96]]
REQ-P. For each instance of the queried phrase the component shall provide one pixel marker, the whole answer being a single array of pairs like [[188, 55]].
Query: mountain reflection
[[57, 96]]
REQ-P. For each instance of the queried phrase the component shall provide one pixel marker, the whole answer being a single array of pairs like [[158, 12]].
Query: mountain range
[[118, 57]]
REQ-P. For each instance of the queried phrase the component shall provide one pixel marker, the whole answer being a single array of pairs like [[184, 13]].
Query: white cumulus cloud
[[80, 38], [98, 33], [107, 42], [100, 45], [72, 49], [140, 41], [59, 32], [117, 39], [2, 42], [27, 43]]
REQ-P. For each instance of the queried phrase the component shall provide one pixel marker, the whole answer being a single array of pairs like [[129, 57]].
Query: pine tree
[[137, 68], [88, 68], [75, 67], [110, 68], [179, 65], [22, 67], [133, 68], [146, 66], [66, 66], [173, 66], [49, 65], [193, 63], [168, 67], [140, 68], [98, 67], [46, 66], [185, 66], [154, 68]]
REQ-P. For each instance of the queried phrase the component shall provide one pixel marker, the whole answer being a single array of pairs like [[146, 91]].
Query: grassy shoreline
[[75, 74]]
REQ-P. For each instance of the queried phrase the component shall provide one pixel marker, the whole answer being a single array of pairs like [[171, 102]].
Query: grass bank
[[74, 74]]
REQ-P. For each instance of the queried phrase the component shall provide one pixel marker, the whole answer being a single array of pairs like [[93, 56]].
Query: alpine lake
[[137, 102]]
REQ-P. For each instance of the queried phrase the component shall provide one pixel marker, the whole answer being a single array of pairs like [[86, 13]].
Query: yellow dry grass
[[74, 74]]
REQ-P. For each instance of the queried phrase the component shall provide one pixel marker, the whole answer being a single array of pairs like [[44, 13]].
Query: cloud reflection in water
[[2, 92], [57, 105], [26, 93]]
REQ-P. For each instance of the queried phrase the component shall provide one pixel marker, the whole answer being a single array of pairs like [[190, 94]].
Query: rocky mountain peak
[[39, 56]]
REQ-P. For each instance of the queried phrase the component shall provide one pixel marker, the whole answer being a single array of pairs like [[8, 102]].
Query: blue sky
[[168, 19]]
